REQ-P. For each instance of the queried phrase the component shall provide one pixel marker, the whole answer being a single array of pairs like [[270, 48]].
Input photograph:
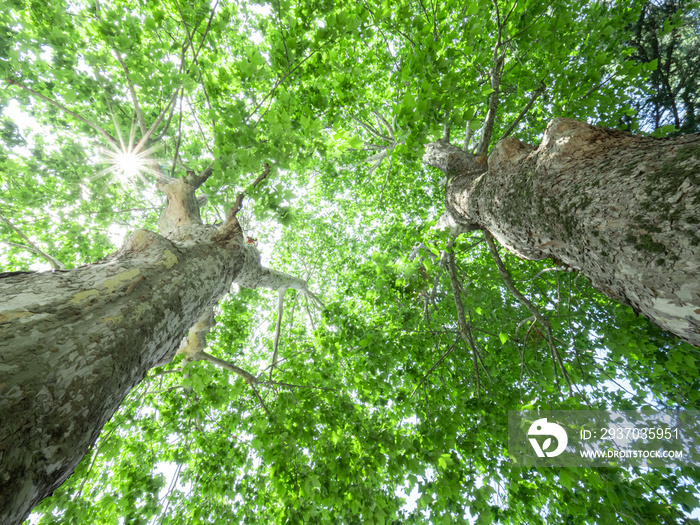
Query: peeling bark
[[73, 343], [622, 209]]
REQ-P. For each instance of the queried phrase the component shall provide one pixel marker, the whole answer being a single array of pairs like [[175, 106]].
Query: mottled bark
[[73, 343], [622, 209]]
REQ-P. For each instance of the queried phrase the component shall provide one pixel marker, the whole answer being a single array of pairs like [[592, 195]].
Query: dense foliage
[[667, 34], [375, 397]]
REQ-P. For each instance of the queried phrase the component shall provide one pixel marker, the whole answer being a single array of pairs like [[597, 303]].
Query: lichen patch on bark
[[170, 259], [9, 316], [84, 294], [113, 283]]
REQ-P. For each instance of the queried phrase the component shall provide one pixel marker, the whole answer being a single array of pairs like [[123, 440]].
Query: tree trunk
[[622, 209], [74, 343]]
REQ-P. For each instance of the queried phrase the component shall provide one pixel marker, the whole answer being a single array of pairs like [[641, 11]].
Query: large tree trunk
[[622, 209], [74, 343]]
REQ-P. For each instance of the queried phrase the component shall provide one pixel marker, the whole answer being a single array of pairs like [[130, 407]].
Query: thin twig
[[249, 378], [130, 84], [386, 179], [276, 85], [481, 360], [465, 331], [206, 29], [284, 37], [508, 280], [132, 92], [187, 31], [167, 124], [527, 107], [555, 269], [505, 20], [94, 459], [545, 10], [199, 125], [179, 139], [380, 118], [597, 86], [372, 131], [239, 201], [290, 385], [278, 328], [150, 208], [308, 312], [437, 363], [144, 140]]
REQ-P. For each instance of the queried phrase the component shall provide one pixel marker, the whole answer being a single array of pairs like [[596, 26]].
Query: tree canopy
[[667, 34], [374, 408]]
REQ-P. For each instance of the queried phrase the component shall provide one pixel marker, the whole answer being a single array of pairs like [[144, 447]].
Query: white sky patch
[[262, 10], [256, 37], [22, 120], [411, 498], [116, 234], [46, 53]]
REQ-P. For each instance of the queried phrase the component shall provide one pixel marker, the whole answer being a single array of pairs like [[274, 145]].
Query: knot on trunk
[[451, 160], [508, 150]]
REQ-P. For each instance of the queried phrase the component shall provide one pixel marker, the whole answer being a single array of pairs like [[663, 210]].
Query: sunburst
[[128, 161]]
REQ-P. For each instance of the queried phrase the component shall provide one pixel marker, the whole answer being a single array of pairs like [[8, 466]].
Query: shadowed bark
[[622, 209]]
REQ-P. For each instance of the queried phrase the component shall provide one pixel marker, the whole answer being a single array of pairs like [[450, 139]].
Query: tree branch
[[132, 92], [496, 72], [467, 137], [522, 114], [55, 263], [167, 124], [278, 328], [197, 180], [380, 118], [130, 84], [247, 376], [196, 342], [308, 313], [465, 330], [278, 84], [239, 201], [141, 143], [372, 131], [290, 385], [60, 106], [449, 351], [508, 280], [206, 30]]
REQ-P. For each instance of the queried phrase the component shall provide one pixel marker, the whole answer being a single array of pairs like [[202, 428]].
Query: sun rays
[[127, 161]]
